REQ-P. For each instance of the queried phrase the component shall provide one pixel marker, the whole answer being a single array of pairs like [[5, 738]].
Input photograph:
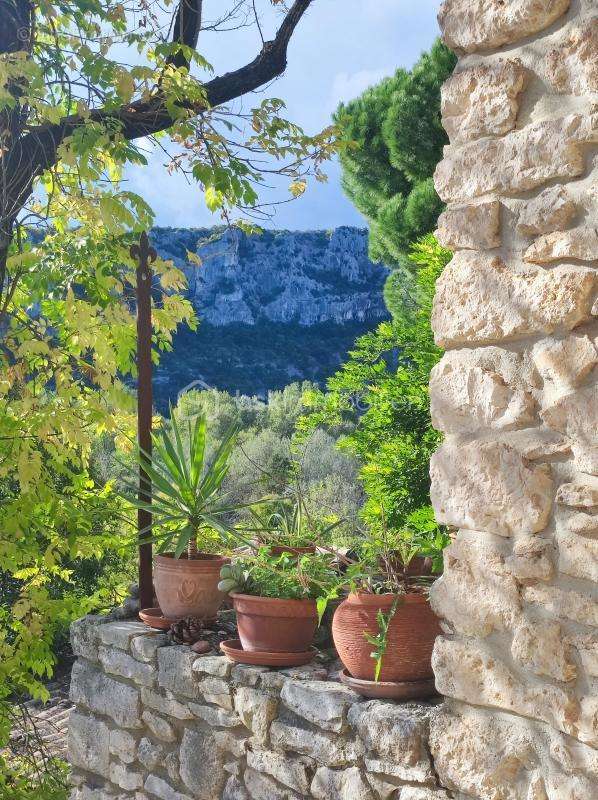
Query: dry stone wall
[[157, 722], [516, 395]]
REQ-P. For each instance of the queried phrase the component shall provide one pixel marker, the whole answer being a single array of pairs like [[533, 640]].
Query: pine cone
[[186, 631]]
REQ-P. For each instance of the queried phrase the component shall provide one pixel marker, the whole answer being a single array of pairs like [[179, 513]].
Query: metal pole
[[145, 255]]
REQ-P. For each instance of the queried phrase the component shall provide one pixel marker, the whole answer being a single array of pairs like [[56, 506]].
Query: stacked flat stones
[[516, 396], [155, 721]]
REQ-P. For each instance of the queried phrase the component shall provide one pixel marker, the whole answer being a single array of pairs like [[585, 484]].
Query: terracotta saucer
[[233, 649], [154, 618], [395, 690]]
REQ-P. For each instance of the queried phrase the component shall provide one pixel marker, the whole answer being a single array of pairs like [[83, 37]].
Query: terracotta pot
[[411, 636], [418, 566], [189, 587], [279, 549], [275, 625]]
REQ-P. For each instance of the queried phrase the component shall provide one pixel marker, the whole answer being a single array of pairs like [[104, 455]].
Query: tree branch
[[143, 118]]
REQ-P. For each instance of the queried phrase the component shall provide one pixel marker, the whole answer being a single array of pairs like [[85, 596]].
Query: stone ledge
[[159, 728]]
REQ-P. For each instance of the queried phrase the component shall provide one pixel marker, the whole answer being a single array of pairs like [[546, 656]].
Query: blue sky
[[340, 48]]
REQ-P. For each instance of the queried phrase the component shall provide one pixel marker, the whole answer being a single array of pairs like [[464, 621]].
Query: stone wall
[[516, 396], [154, 721]]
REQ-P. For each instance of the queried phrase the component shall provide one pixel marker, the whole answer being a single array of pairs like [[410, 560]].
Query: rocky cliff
[[299, 277], [274, 308]]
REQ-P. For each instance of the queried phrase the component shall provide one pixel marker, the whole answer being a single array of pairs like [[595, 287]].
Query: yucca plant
[[187, 496]]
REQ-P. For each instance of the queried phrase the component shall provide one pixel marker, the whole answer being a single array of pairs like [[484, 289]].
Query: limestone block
[[159, 727], [144, 648], [234, 790], [274, 680], [395, 739], [576, 415], [480, 299], [588, 721], [489, 487], [175, 670], [583, 523], [563, 364], [92, 689], [245, 675], [421, 793], [262, 787], [470, 227], [119, 663], [201, 764], [533, 444], [477, 592], [586, 647], [119, 634], [151, 755], [88, 744], [577, 606], [217, 691], [158, 787], [482, 756], [326, 748], [292, 772], [580, 244], [582, 493], [540, 647], [552, 210], [256, 710], [476, 25], [321, 703], [572, 66], [470, 672], [482, 101], [346, 784], [165, 703], [84, 636], [216, 717], [532, 560], [171, 763], [523, 159], [125, 777], [124, 745], [465, 399], [578, 556], [217, 666]]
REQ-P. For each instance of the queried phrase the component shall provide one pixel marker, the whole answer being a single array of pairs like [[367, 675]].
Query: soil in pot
[[189, 587], [274, 625], [410, 640]]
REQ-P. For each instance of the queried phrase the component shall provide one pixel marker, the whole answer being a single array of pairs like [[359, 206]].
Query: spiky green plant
[[188, 502]]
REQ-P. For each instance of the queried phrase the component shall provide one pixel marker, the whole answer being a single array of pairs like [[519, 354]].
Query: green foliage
[[68, 105], [188, 504], [382, 391], [379, 641], [398, 140], [286, 576]]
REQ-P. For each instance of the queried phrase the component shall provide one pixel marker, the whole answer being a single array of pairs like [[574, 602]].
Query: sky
[[339, 49]]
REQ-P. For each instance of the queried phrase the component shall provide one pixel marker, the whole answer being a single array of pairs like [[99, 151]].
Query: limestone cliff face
[[297, 277]]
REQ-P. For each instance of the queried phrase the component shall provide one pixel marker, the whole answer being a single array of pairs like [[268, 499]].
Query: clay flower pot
[[189, 587], [279, 549], [273, 625], [411, 636]]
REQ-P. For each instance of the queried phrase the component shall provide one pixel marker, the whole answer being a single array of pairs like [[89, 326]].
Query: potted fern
[[191, 517]]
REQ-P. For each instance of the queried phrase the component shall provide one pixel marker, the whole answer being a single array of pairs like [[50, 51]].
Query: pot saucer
[[233, 649], [154, 618], [394, 690]]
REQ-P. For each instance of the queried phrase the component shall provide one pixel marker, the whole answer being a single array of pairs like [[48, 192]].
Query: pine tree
[[398, 139]]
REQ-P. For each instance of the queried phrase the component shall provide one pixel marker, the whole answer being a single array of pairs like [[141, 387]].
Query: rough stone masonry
[[156, 722], [516, 395]]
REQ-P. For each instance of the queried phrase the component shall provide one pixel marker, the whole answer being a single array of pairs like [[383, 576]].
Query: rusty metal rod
[[145, 255]]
